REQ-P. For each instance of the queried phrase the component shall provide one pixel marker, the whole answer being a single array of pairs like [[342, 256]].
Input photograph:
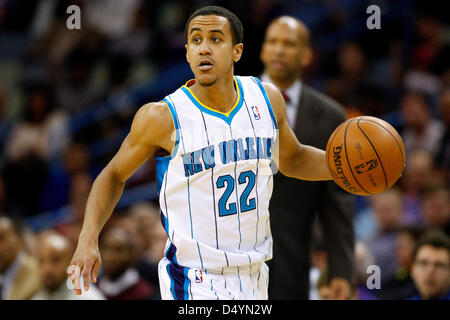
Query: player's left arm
[[295, 160]]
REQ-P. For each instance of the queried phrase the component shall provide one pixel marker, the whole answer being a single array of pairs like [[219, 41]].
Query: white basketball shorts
[[180, 283]]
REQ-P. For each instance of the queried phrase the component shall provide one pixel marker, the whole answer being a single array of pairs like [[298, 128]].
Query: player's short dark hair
[[434, 238], [237, 31]]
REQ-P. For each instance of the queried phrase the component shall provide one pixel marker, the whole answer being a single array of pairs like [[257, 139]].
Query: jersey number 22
[[227, 181]]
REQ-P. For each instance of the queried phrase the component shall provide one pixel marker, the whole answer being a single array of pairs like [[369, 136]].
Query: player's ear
[[187, 56], [237, 51]]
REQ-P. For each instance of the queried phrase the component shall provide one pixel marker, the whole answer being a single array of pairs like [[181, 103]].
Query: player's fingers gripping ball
[[365, 155]]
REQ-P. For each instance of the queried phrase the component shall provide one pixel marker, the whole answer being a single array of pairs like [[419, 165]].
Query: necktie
[[285, 96], [290, 109]]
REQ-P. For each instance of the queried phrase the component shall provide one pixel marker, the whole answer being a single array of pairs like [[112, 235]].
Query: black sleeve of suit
[[335, 209]]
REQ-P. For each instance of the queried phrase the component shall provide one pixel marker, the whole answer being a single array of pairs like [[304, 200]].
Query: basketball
[[365, 155]]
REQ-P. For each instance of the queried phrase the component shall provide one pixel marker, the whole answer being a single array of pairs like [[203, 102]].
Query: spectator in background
[[421, 131], [39, 136], [431, 267], [75, 159], [148, 219], [436, 209], [42, 131], [54, 253], [352, 67], [353, 85], [402, 285], [388, 209], [143, 222], [443, 158], [318, 275], [119, 279], [323, 287], [75, 92], [118, 69], [418, 175], [137, 40], [80, 186], [19, 273], [2, 194], [112, 18], [5, 124], [53, 41], [427, 55], [363, 259], [123, 220], [312, 116]]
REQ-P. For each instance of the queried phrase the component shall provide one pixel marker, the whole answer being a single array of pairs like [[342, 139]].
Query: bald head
[[56, 243], [295, 25], [5, 223], [54, 253], [286, 50]]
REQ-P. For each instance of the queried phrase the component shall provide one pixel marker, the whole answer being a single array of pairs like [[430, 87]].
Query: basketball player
[[214, 140]]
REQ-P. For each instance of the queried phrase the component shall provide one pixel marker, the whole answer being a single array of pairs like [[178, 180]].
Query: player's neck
[[220, 96]]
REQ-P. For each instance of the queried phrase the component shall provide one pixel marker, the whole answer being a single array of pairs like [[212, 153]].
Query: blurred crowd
[[50, 75], [35, 265]]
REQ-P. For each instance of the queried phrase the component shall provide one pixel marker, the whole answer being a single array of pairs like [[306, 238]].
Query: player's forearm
[[307, 163], [105, 193]]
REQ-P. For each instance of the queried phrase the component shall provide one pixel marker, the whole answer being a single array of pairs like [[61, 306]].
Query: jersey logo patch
[[256, 113], [198, 276]]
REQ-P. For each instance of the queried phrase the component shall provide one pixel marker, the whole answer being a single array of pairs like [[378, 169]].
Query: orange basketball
[[365, 155]]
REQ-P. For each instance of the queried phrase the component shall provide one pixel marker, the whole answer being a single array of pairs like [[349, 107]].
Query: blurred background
[[67, 99]]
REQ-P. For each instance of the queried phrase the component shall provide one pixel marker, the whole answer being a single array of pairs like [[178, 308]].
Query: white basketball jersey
[[216, 185]]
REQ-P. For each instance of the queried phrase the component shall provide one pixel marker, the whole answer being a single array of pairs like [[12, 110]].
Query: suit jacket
[[294, 205], [26, 281]]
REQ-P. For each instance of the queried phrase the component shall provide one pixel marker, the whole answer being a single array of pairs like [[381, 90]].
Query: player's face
[[431, 271], [284, 53], [210, 50]]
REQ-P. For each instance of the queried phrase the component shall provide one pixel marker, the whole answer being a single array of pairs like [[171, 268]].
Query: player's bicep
[[129, 158], [150, 132], [288, 144]]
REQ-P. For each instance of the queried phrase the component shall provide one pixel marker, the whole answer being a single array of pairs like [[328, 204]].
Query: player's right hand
[[85, 263]]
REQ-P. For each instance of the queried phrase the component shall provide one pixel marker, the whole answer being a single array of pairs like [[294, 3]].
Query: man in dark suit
[[313, 117]]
